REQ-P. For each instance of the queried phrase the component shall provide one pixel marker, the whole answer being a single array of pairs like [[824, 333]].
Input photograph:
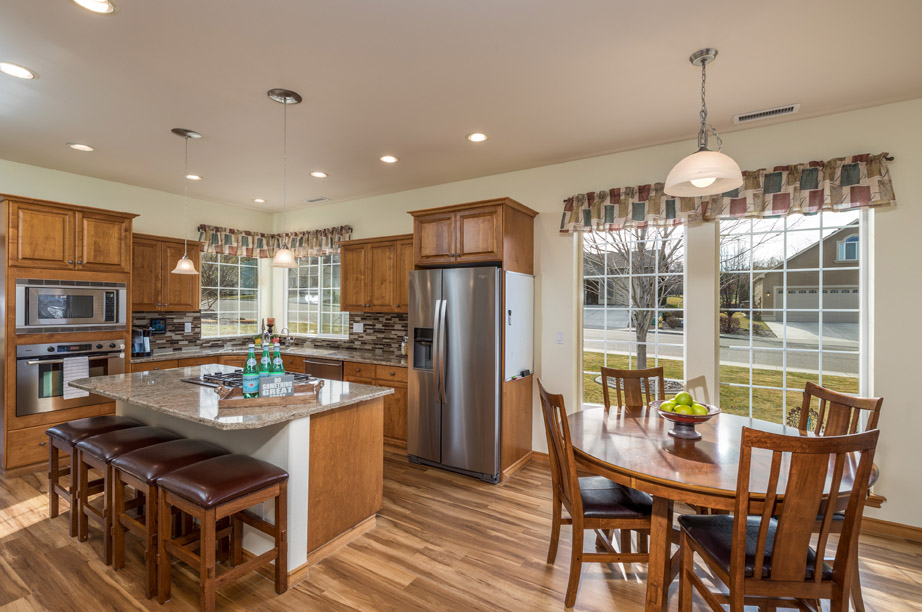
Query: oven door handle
[[41, 361]]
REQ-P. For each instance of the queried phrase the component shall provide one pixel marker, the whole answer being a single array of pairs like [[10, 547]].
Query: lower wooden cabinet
[[155, 365], [26, 446], [395, 406]]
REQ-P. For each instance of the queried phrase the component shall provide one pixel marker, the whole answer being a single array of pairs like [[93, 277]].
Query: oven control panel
[[75, 348]]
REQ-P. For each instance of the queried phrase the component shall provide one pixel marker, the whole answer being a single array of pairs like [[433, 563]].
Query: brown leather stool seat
[[140, 469], [62, 438], [96, 452], [214, 491]]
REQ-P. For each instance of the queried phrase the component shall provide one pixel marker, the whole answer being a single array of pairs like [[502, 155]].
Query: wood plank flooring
[[443, 542]]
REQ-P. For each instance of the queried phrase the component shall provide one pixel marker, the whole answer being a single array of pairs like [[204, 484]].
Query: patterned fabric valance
[[843, 183], [228, 241]]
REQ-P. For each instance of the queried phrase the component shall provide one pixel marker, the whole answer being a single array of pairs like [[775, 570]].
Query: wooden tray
[[232, 397]]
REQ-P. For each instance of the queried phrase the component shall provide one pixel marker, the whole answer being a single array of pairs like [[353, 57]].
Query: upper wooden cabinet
[[374, 274], [500, 231], [54, 236], [153, 286]]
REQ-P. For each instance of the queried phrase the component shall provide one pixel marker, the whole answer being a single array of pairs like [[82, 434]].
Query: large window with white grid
[[312, 307], [230, 295]]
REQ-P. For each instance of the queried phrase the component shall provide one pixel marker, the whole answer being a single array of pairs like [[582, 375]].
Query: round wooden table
[[634, 449]]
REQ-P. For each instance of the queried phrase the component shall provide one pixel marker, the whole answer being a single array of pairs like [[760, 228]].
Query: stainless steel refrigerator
[[455, 375]]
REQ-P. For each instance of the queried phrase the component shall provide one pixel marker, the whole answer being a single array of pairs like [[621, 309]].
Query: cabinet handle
[[42, 443], [80, 261], [393, 373], [70, 261]]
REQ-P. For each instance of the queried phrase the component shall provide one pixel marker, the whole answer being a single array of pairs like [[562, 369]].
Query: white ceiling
[[547, 80]]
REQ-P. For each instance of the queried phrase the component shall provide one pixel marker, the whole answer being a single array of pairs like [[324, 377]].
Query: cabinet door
[[145, 275], [102, 242], [382, 257], [151, 366], [395, 416], [353, 271], [237, 361], [480, 234], [178, 292], [404, 267], [41, 236], [433, 238]]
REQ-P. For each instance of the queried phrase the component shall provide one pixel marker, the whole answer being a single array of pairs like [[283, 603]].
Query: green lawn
[[745, 323], [766, 404]]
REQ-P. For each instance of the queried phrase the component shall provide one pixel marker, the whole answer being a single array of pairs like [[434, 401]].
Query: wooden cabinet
[[238, 361], [500, 231], [153, 285], [149, 366], [55, 236], [26, 446], [395, 406], [293, 363], [373, 274]]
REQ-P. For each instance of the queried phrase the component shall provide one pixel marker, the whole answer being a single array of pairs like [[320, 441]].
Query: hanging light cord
[[185, 203], [285, 172], [703, 114]]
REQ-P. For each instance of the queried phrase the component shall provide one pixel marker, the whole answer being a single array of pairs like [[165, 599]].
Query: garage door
[[809, 298]]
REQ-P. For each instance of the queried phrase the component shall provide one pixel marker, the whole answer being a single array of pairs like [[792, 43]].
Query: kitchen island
[[331, 444]]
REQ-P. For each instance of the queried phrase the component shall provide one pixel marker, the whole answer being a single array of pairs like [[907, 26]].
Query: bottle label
[[251, 362], [250, 383]]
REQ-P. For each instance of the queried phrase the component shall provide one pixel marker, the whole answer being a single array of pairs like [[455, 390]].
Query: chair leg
[[838, 603], [625, 540], [118, 530], [686, 566], [236, 541], [151, 520], [224, 543], [74, 487], [164, 519], [555, 530], [576, 563], [207, 563], [857, 599], [643, 541], [281, 539], [82, 480], [107, 514], [53, 477]]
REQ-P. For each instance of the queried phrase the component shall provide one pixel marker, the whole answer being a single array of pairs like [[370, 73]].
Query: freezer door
[[471, 342], [424, 407]]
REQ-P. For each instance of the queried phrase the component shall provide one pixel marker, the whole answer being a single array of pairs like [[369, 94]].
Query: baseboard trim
[[542, 457], [28, 469], [510, 471], [878, 527], [325, 550]]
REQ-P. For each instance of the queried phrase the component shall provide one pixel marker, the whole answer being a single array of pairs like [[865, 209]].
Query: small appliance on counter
[[140, 342], [157, 326]]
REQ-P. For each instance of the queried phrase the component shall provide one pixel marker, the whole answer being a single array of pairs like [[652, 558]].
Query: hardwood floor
[[442, 542]]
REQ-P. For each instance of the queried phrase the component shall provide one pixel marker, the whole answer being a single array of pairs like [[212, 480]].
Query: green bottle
[[278, 366], [265, 362], [251, 374]]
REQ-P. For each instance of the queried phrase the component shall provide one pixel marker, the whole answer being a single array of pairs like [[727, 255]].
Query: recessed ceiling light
[[103, 7], [193, 177], [259, 200], [318, 174], [15, 70], [477, 137], [389, 159], [80, 147]]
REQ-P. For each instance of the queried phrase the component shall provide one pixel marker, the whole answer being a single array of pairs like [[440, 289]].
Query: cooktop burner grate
[[235, 379]]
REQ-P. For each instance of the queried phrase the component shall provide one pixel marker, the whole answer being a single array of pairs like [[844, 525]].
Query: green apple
[[668, 406], [683, 409], [699, 409], [684, 398]]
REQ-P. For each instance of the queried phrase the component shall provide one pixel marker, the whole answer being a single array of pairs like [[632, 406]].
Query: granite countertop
[[163, 391], [335, 354]]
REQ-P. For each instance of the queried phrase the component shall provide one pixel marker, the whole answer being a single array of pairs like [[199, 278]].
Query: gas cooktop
[[235, 379]]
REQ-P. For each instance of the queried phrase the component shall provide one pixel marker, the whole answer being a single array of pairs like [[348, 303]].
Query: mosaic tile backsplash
[[383, 333]]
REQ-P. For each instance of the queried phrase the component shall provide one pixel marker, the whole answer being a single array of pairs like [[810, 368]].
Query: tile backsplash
[[383, 333]]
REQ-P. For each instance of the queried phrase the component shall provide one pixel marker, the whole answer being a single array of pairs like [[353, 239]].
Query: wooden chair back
[[839, 413], [560, 451], [814, 466], [640, 387]]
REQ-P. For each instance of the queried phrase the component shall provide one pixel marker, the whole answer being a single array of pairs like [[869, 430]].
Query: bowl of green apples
[[684, 412]]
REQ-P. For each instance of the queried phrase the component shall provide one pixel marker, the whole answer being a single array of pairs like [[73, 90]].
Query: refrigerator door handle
[[442, 343], [436, 353]]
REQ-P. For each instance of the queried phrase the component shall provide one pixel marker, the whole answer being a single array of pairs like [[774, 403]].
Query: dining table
[[634, 448]]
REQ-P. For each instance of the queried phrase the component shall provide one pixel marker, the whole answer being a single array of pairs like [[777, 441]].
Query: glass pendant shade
[[284, 258], [185, 266], [702, 174]]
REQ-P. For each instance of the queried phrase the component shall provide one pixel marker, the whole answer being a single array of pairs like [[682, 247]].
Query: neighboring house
[[840, 287]]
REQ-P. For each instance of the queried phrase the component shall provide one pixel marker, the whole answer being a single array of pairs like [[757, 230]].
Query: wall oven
[[45, 306], [43, 371]]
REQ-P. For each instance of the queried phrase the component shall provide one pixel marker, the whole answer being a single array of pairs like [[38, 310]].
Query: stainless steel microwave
[[44, 306]]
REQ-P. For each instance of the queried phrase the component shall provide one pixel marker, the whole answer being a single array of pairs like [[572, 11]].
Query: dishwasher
[[324, 368]]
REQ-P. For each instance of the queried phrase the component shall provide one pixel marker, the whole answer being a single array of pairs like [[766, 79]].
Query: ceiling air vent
[[317, 200], [769, 113]]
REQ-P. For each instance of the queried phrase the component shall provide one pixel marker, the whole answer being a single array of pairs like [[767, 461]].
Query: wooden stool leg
[[207, 562], [236, 541], [151, 518], [281, 538], [83, 473], [118, 531], [53, 477], [625, 541], [224, 544], [164, 518], [107, 514], [74, 487]]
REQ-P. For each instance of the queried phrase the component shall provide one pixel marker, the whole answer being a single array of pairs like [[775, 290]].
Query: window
[[848, 249], [313, 298], [787, 336], [633, 283], [230, 295]]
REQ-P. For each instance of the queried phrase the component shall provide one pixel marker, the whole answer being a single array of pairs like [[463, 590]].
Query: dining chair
[[767, 559], [636, 385], [593, 502], [839, 414]]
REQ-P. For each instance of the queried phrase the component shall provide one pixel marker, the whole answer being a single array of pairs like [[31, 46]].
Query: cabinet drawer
[[237, 361], [358, 380], [26, 446], [155, 365], [360, 370], [293, 363], [390, 373], [198, 361]]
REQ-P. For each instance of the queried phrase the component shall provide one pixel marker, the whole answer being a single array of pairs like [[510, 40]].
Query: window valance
[[227, 241], [842, 183]]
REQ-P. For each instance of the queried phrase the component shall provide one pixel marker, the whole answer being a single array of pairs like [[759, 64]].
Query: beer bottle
[[265, 362], [251, 374], [278, 366]]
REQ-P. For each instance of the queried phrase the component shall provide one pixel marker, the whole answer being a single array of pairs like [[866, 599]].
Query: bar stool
[[140, 470], [97, 452], [63, 437], [210, 491]]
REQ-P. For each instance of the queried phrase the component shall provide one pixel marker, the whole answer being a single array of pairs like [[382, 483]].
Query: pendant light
[[704, 172], [284, 258], [185, 265]]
